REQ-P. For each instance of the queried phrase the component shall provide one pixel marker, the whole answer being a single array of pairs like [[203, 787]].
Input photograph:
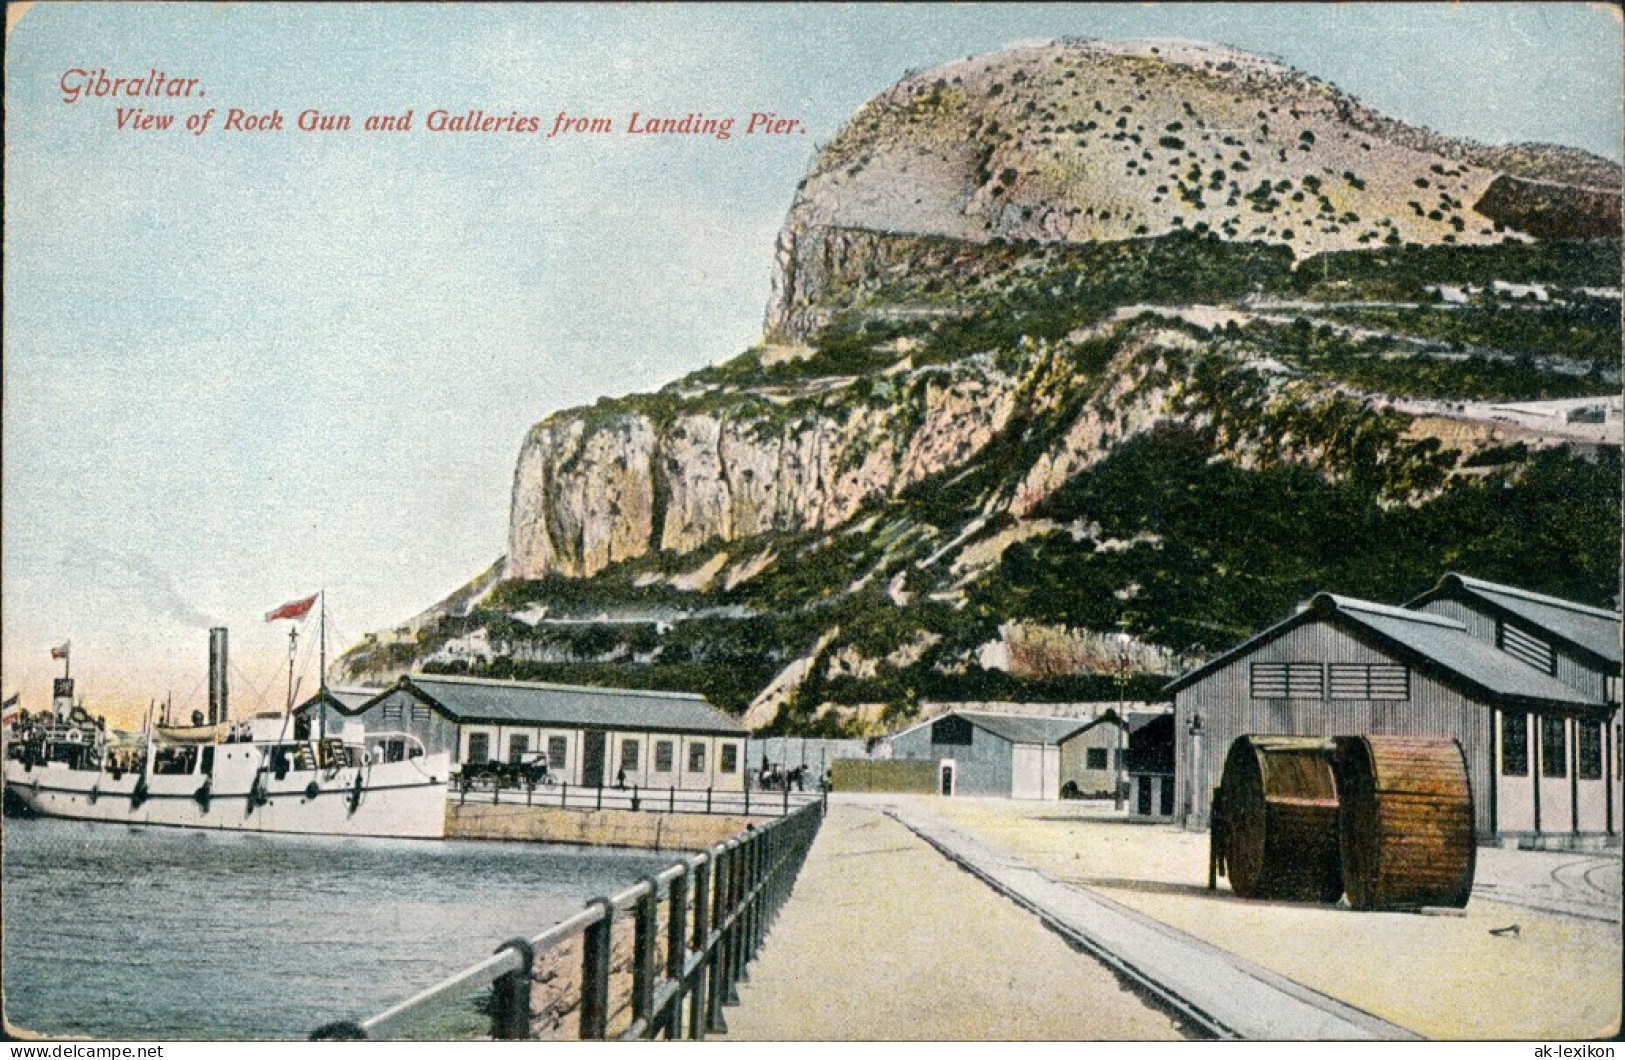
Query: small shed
[[1006, 755], [1092, 757], [1152, 787]]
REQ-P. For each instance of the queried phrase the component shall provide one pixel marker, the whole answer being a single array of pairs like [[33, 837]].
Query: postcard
[[802, 523]]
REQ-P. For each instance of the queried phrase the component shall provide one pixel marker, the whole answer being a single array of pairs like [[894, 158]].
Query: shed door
[[1027, 781], [592, 758]]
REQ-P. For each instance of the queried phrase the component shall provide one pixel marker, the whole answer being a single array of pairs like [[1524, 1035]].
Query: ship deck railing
[[660, 959]]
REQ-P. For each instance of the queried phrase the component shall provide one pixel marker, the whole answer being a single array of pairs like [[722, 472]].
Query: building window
[[952, 731], [629, 756], [663, 756], [1527, 648], [1287, 681], [729, 758], [1514, 745], [392, 713], [479, 748], [1370, 681], [1588, 738], [1094, 758], [1554, 748], [696, 758], [518, 744], [420, 712], [556, 748]]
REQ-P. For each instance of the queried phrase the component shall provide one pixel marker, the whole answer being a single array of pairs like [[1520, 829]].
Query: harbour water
[[113, 932]]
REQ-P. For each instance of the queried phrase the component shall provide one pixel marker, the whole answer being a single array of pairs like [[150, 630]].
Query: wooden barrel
[[1278, 826], [1406, 824]]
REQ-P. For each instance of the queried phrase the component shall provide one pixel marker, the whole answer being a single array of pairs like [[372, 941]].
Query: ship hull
[[404, 799]]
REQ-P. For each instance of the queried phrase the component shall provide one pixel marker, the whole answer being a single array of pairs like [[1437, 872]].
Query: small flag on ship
[[296, 610], [11, 709], [62, 651]]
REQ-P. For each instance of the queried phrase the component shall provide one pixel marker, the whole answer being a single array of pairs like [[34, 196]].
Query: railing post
[[697, 1008], [510, 996], [599, 804], [761, 910], [645, 924], [595, 943], [677, 948], [738, 867], [672, 807], [716, 967], [747, 935], [564, 795], [747, 796], [708, 800]]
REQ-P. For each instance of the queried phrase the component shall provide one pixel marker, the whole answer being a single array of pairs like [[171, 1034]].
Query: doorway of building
[[592, 758], [945, 778]]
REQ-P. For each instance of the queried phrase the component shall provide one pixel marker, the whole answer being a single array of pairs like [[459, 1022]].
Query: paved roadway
[[886, 940], [1582, 885], [1227, 996]]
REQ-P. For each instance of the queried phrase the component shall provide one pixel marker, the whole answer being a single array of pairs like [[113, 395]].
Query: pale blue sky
[[239, 368]]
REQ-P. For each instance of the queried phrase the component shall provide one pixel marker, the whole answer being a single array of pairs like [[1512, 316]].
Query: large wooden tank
[[1275, 819], [1406, 821]]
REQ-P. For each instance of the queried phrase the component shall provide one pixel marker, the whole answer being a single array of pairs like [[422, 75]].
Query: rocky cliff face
[[1056, 338], [1059, 143], [591, 493], [1109, 140]]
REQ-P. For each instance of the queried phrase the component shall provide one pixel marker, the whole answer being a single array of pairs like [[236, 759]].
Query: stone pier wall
[[644, 830]]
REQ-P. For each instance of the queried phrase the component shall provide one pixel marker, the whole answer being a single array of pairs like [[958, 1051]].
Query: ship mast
[[321, 673], [293, 649]]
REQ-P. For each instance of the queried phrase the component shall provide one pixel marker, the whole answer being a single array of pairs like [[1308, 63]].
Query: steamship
[[261, 774]]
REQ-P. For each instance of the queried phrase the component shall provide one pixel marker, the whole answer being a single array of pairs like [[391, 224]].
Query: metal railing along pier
[[748, 803], [659, 959]]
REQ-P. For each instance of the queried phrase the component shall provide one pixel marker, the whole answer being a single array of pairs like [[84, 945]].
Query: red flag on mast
[[296, 610], [61, 652]]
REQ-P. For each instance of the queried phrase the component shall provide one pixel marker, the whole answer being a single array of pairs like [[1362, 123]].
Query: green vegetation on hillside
[[1404, 273], [1260, 488], [1586, 331], [1219, 551], [1384, 367]]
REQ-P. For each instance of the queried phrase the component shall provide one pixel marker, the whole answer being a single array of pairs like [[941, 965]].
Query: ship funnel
[[217, 675]]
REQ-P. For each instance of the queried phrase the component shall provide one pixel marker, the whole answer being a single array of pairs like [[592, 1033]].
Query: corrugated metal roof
[[1591, 628], [1448, 644], [535, 703], [1441, 641], [346, 700], [1019, 729], [351, 699]]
